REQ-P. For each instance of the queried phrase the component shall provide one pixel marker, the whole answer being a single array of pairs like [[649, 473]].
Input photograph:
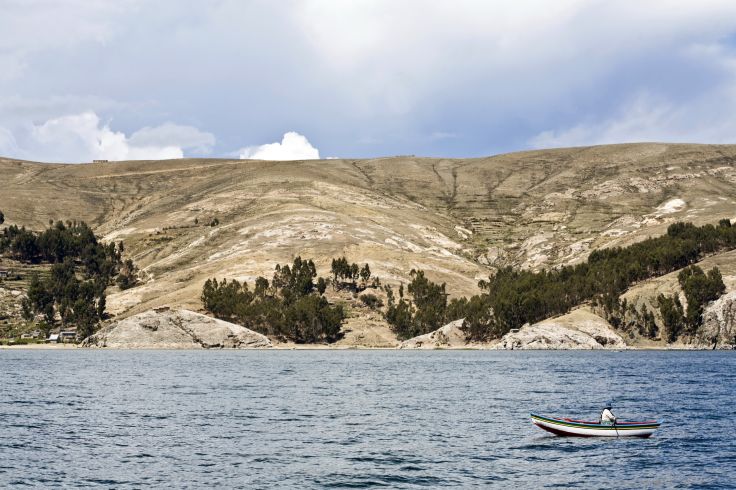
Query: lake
[[355, 419]]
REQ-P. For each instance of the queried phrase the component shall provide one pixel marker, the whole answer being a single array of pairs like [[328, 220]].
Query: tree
[[365, 273], [41, 300], [26, 310], [321, 285], [127, 278], [101, 306], [399, 316], [699, 289], [292, 307], [354, 273], [24, 246], [261, 287], [2, 218], [426, 311], [672, 314]]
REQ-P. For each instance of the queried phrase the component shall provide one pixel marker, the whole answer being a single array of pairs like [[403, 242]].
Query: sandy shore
[[288, 346], [40, 346]]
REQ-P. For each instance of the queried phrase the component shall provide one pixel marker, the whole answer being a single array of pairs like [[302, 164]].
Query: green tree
[[399, 316], [41, 300], [292, 307], [672, 314], [365, 273], [321, 285], [699, 289]]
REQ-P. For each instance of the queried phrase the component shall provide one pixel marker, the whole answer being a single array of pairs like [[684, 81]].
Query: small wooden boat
[[583, 428]]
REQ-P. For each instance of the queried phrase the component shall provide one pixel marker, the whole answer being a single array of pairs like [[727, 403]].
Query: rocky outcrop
[[718, 330], [175, 329], [449, 336], [579, 329]]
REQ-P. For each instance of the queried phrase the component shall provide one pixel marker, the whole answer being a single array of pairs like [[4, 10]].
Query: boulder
[[718, 330], [449, 336], [579, 329], [175, 329]]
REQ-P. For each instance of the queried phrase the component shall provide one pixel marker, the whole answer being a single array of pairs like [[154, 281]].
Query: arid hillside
[[183, 221]]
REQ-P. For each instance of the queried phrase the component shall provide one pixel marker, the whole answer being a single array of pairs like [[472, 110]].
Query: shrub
[[371, 301]]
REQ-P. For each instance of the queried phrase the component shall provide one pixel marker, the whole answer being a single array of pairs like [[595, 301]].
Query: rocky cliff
[[719, 324], [447, 337], [579, 329], [175, 329]]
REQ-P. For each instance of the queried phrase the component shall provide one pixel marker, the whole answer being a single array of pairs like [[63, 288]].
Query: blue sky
[[304, 79]]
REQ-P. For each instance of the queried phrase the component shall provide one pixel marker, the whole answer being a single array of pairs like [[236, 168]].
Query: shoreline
[[306, 347]]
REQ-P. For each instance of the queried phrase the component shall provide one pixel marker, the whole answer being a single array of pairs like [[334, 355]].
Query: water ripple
[[359, 419]]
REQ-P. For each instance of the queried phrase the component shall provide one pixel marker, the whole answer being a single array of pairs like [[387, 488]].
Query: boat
[[584, 428]]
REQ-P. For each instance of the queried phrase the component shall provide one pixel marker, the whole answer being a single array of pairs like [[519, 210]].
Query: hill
[[457, 219]]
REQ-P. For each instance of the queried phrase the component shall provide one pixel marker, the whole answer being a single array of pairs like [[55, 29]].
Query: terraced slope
[[455, 218]]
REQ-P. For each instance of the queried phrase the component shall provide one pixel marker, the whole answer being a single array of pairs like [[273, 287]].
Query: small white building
[[54, 337]]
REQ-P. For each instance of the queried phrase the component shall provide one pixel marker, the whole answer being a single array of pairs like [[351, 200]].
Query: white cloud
[[293, 146], [82, 138], [185, 137], [647, 118]]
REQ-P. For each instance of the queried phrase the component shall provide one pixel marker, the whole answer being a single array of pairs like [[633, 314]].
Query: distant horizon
[[377, 157]]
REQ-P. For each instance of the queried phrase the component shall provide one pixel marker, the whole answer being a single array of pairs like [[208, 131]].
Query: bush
[[371, 301]]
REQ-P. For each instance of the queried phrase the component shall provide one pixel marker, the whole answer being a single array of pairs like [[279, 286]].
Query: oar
[[614, 428]]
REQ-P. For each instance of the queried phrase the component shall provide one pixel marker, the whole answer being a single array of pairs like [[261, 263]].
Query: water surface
[[352, 419]]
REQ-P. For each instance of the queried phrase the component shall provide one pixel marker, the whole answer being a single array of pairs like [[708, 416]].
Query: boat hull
[[579, 428]]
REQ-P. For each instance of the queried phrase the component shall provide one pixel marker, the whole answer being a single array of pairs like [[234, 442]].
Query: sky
[[281, 80]]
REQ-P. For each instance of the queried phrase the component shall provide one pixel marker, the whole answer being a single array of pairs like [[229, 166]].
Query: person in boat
[[607, 416]]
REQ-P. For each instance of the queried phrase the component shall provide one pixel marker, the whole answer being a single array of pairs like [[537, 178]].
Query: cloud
[[293, 146], [185, 137], [83, 137], [648, 118], [388, 69], [50, 25]]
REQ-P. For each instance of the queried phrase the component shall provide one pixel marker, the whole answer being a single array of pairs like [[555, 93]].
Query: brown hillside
[[455, 218]]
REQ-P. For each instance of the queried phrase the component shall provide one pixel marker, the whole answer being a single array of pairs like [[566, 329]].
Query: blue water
[[352, 419]]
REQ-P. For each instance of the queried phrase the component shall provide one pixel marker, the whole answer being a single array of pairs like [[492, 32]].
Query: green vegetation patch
[[82, 268], [290, 307]]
